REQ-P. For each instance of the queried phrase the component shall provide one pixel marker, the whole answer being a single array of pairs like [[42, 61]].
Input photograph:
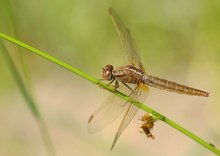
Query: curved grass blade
[[29, 99]]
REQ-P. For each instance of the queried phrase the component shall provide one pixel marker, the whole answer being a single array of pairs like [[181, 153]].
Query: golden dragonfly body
[[135, 74]]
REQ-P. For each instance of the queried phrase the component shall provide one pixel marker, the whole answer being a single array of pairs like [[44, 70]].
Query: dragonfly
[[126, 76]]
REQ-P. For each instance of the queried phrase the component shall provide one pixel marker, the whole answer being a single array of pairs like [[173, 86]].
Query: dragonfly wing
[[126, 39], [140, 95], [112, 108]]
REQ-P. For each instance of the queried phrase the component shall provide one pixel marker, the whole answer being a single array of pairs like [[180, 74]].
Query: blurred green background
[[178, 40]]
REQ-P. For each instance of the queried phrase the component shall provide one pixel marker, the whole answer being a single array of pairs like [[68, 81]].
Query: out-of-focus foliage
[[178, 40]]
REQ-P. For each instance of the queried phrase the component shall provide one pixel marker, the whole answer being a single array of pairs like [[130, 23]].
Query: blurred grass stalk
[[123, 96], [25, 91]]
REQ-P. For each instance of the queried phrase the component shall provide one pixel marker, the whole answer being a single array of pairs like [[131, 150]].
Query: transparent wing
[[112, 108], [126, 40], [140, 95]]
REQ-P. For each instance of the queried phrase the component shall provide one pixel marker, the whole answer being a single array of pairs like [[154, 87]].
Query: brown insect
[[132, 74]]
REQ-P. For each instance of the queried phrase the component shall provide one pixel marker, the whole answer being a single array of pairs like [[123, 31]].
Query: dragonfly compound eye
[[107, 72]]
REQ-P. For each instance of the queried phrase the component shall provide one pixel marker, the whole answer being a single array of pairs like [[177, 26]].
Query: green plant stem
[[123, 96]]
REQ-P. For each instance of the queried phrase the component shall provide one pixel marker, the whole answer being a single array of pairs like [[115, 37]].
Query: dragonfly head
[[107, 72]]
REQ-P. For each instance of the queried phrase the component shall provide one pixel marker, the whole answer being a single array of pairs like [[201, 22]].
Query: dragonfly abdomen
[[172, 86]]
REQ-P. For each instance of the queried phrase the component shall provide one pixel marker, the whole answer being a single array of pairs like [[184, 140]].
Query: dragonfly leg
[[116, 85], [127, 86], [132, 92], [111, 82]]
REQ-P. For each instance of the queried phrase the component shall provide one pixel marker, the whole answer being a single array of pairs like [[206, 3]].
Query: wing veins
[[129, 115], [126, 40]]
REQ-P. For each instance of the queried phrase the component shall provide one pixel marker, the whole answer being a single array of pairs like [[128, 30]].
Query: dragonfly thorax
[[107, 72]]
